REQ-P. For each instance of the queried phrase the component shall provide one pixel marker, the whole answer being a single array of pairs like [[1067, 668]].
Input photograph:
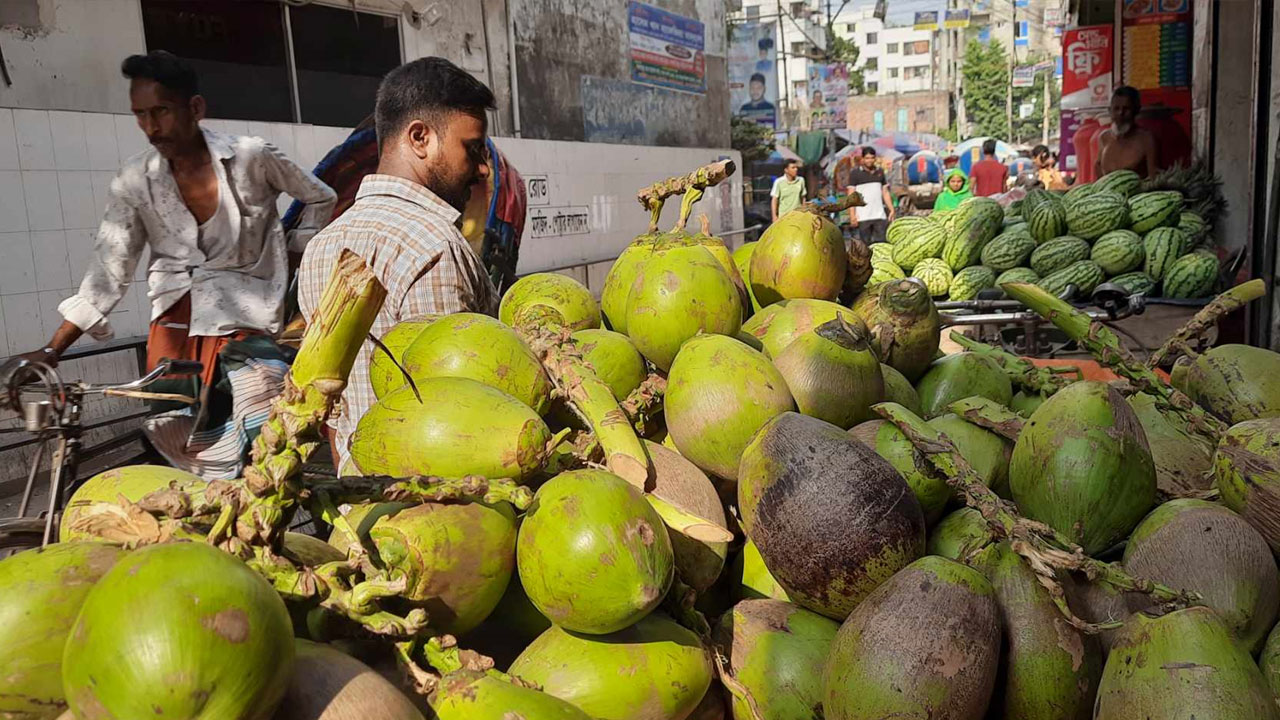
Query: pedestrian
[[1047, 169], [955, 190], [1125, 145], [872, 218], [431, 124], [989, 175], [788, 191]]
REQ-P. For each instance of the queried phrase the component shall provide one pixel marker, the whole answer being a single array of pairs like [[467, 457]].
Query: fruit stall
[[740, 485]]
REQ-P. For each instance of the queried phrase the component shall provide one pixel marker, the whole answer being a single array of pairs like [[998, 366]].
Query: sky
[[899, 12]]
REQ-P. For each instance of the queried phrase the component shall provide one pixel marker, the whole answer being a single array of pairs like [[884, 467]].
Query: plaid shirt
[[410, 239]]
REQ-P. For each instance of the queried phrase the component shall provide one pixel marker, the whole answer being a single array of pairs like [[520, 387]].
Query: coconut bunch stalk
[[1020, 370], [1183, 341]]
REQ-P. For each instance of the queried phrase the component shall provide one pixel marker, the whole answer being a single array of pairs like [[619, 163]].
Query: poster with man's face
[[753, 75]]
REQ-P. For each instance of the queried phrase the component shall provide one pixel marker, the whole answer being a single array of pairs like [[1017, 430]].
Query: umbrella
[[1020, 165], [781, 154], [973, 148]]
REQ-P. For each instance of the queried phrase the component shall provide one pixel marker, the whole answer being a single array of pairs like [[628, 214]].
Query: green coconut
[[620, 278], [1246, 469], [777, 652], [594, 556], [1235, 382], [1098, 603], [742, 260], [509, 629], [831, 518], [472, 695], [679, 293], [681, 484], [956, 377], [1183, 459], [328, 684], [549, 299], [1082, 466], [832, 373], [1204, 548], [614, 358], [455, 558], [897, 389], [384, 374], [791, 319], [652, 670], [986, 452], [719, 393], [720, 251], [801, 255], [925, 644], [460, 427], [43, 592], [756, 582], [311, 551], [361, 517], [1269, 661], [904, 324], [1182, 665], [959, 534], [1025, 403], [132, 482], [209, 639], [1050, 669], [477, 347]]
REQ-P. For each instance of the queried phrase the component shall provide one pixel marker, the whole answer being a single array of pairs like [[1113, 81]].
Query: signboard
[[537, 189], [666, 49], [1024, 76], [557, 221], [828, 95], [957, 19], [753, 77], [927, 20], [1054, 17], [1087, 64], [1157, 61], [1025, 110]]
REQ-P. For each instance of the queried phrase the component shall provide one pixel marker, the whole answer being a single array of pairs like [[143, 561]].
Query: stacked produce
[[794, 511], [1150, 241]]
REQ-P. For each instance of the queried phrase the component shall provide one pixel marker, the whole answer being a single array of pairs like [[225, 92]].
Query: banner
[[666, 49], [927, 20], [1087, 67], [828, 95], [1024, 76], [1157, 61], [1054, 17], [957, 19], [753, 76]]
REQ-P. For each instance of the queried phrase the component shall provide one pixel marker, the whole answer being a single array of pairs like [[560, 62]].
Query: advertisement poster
[[1086, 62], [1157, 61], [828, 95], [753, 77], [926, 20], [957, 19], [666, 49], [1024, 76]]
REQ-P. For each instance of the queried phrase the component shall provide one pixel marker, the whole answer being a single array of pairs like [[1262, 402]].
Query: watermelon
[[882, 251], [1034, 198], [1193, 225], [1007, 251], [935, 274], [924, 243], [1019, 275], [1079, 192], [1163, 246], [1135, 283], [884, 270], [1084, 274], [1048, 220], [1191, 276], [968, 282], [1118, 252], [1018, 226], [1057, 254], [1124, 182], [1013, 211], [1097, 214], [907, 226], [977, 221], [1151, 210]]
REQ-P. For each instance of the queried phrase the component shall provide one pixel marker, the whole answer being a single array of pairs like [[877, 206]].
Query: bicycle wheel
[[21, 533]]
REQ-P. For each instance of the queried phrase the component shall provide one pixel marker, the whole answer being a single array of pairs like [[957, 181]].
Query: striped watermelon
[[1018, 274], [883, 271], [906, 227], [1151, 210], [1007, 251], [1097, 214], [1084, 274], [1034, 198], [1191, 276], [1163, 246], [970, 281], [1048, 220], [1079, 192], [1193, 225], [1118, 252], [1125, 182], [1057, 254], [1013, 211], [882, 251], [1136, 283], [977, 221], [926, 243], [935, 274]]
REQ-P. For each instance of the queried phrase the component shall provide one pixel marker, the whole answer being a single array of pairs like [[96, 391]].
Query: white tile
[[8, 141], [228, 127], [18, 270], [129, 138], [13, 203], [4, 339], [50, 318], [283, 137], [44, 206], [53, 266], [22, 322], [79, 252], [304, 137], [35, 143], [101, 181], [100, 136], [263, 130], [69, 149], [79, 209]]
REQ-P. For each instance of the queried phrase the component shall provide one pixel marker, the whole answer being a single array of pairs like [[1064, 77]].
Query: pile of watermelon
[[1106, 231]]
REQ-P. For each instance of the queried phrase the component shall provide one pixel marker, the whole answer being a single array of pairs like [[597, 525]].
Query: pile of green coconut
[[737, 486]]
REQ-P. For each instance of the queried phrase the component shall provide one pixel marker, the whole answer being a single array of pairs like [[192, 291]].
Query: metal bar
[[292, 65], [31, 479], [129, 343], [114, 420]]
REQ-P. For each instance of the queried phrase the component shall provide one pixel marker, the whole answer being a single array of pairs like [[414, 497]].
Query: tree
[[985, 83], [753, 140], [1028, 130], [846, 51]]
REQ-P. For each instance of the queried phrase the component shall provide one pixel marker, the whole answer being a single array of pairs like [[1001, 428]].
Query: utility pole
[[1044, 121], [782, 58], [1013, 54]]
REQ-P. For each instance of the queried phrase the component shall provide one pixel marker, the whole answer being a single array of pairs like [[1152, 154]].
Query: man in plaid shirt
[[431, 126]]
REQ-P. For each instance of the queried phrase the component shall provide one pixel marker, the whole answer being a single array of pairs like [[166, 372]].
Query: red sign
[[1157, 61], [1086, 67]]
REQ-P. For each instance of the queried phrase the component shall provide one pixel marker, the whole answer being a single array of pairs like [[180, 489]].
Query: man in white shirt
[[788, 191], [872, 218]]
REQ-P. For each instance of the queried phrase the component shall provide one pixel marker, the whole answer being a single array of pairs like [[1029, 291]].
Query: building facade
[[924, 111], [892, 59]]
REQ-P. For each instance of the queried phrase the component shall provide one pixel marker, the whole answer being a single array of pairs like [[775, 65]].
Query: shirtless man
[[1125, 146]]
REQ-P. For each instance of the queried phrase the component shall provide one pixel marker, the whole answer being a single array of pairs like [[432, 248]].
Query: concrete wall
[[926, 111], [573, 65], [1234, 147]]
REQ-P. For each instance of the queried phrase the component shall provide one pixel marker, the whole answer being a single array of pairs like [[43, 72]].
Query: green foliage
[[844, 50], [1028, 130], [985, 83], [753, 140]]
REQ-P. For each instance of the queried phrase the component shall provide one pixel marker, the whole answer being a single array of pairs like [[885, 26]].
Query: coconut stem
[[705, 176], [691, 196], [644, 403], [989, 414], [1045, 550], [679, 604], [355, 489], [1194, 330], [1018, 369], [735, 688], [1107, 349]]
